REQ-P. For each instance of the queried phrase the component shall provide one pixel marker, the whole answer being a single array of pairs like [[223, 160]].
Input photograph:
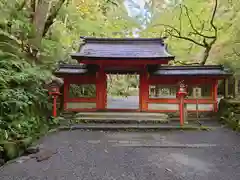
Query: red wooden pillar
[[215, 95], [54, 106], [101, 89], [104, 90], [181, 110], [65, 93], [143, 90]]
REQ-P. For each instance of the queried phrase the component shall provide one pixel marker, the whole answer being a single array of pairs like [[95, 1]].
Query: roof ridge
[[130, 40]]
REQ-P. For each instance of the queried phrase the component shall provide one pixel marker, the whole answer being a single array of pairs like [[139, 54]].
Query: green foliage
[[227, 48], [23, 101], [84, 90], [229, 113], [123, 85]]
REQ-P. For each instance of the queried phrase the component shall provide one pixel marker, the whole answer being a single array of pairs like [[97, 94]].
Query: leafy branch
[[197, 32], [235, 52], [18, 7], [207, 41], [53, 14]]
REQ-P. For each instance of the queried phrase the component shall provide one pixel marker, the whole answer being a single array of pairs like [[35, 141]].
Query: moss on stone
[[11, 150]]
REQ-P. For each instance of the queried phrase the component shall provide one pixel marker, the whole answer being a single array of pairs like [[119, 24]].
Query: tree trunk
[[39, 20], [205, 56]]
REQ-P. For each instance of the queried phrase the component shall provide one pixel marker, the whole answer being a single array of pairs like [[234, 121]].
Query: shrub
[[23, 100]]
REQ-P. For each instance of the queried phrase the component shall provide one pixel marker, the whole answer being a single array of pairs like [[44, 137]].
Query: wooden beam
[[81, 99], [75, 79], [176, 101]]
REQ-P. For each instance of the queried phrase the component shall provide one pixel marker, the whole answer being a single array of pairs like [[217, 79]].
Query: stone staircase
[[123, 121]]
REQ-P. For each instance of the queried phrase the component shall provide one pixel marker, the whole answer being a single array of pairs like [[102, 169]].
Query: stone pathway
[[177, 155]]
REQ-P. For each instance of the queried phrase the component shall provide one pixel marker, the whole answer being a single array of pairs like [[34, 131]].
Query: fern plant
[[22, 96]]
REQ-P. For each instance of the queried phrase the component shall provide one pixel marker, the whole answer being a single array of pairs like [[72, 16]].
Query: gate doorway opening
[[122, 92]]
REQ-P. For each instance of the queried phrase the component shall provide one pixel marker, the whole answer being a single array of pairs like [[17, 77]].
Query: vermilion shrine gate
[[148, 58]]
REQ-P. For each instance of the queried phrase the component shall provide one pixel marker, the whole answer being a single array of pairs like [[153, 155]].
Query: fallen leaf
[[169, 170]]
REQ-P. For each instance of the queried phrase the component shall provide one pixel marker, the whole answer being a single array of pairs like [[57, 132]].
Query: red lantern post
[[54, 92], [181, 94]]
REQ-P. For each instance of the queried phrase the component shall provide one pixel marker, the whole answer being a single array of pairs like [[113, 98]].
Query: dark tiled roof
[[208, 70], [122, 48], [212, 70], [71, 69]]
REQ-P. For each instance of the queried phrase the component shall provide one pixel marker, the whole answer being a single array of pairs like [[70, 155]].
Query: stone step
[[145, 118], [122, 114], [67, 114], [144, 127], [195, 119], [119, 120], [128, 118]]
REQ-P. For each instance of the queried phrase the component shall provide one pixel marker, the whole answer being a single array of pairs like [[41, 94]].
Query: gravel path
[[83, 155]]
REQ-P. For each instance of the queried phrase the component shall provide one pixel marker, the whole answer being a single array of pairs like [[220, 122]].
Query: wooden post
[[144, 90], [61, 98], [157, 90], [185, 113], [181, 94], [65, 93], [236, 82], [54, 105], [197, 109], [54, 93], [215, 96], [98, 89], [101, 89], [226, 88], [105, 90], [181, 110]]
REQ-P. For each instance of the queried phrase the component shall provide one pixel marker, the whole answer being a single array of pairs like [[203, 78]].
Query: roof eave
[[195, 67], [81, 57], [188, 75]]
